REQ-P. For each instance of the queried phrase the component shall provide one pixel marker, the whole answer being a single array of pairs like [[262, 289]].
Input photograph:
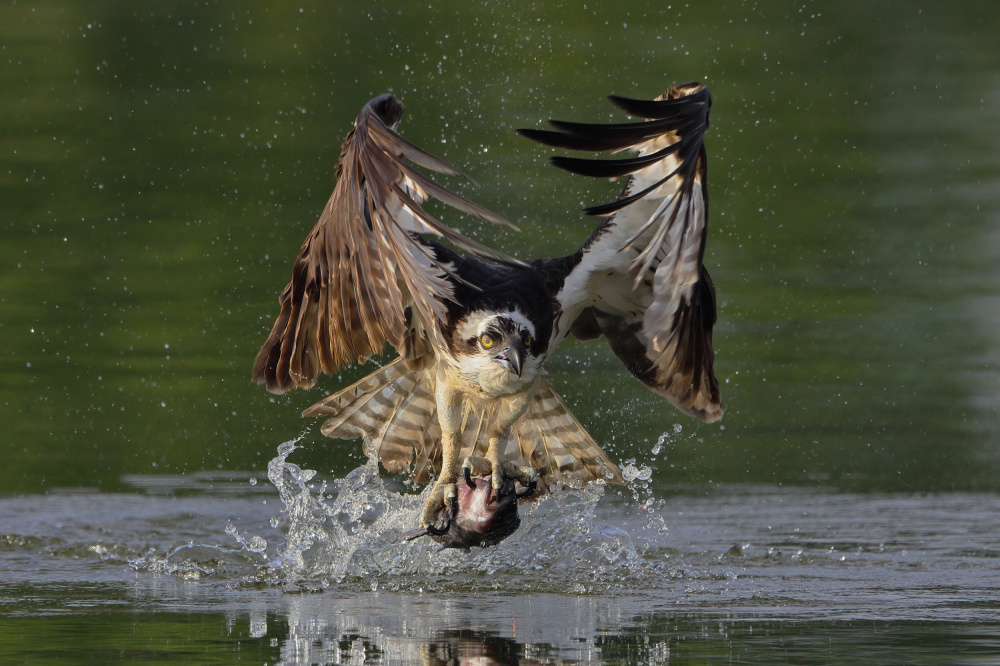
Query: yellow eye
[[486, 341], [528, 341]]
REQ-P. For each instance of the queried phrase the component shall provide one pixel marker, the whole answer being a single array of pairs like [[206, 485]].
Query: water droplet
[[632, 473], [256, 544]]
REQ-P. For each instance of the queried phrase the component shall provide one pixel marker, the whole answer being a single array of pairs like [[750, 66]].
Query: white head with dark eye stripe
[[498, 351]]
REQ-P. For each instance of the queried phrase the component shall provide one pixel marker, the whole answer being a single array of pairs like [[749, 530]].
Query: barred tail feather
[[551, 439], [394, 407]]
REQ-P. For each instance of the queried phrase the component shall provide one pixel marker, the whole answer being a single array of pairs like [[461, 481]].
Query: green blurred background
[[161, 162]]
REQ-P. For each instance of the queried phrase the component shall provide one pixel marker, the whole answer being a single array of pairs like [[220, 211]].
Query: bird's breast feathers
[[483, 377]]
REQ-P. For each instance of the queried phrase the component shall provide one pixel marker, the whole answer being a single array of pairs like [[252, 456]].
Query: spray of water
[[350, 532]]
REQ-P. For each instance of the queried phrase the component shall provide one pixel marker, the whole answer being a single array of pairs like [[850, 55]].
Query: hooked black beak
[[514, 355]]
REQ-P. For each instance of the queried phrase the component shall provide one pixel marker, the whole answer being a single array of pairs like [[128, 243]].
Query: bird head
[[501, 340]]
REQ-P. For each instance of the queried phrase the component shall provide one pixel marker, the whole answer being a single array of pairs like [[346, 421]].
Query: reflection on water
[[303, 633], [609, 637]]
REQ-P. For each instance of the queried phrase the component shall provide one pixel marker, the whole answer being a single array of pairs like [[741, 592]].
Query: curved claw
[[452, 512], [468, 478], [441, 507], [438, 531], [529, 491]]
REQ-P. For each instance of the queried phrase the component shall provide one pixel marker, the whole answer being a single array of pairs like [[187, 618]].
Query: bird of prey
[[473, 326]]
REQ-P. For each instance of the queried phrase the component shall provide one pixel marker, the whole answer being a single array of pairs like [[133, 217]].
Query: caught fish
[[480, 517]]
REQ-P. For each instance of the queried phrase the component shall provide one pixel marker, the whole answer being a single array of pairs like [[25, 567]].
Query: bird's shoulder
[[483, 286]]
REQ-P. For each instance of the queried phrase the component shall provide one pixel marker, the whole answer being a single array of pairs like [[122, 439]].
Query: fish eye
[[486, 341]]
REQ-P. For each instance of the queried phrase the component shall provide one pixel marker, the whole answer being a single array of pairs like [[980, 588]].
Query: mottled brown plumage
[[359, 269]]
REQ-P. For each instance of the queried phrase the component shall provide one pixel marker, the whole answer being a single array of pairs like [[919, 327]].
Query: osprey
[[473, 328]]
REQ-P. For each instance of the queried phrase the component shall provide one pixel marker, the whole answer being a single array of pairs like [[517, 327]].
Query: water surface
[[319, 572]]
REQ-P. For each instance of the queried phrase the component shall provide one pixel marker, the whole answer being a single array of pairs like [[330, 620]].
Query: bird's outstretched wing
[[639, 279], [364, 276]]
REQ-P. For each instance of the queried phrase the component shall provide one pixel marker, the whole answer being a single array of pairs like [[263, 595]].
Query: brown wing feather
[[363, 265]]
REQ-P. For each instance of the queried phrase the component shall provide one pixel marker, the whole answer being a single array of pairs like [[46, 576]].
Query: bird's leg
[[449, 411], [526, 475], [511, 409], [495, 457]]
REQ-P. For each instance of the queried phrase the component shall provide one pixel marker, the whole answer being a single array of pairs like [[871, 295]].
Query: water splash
[[350, 532], [665, 439], [194, 561]]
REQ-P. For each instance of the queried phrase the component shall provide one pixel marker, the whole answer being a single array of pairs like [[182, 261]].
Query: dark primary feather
[[611, 168], [685, 115], [363, 263], [688, 97]]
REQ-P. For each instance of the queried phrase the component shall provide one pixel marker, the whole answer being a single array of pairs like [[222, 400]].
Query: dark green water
[[160, 164]]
